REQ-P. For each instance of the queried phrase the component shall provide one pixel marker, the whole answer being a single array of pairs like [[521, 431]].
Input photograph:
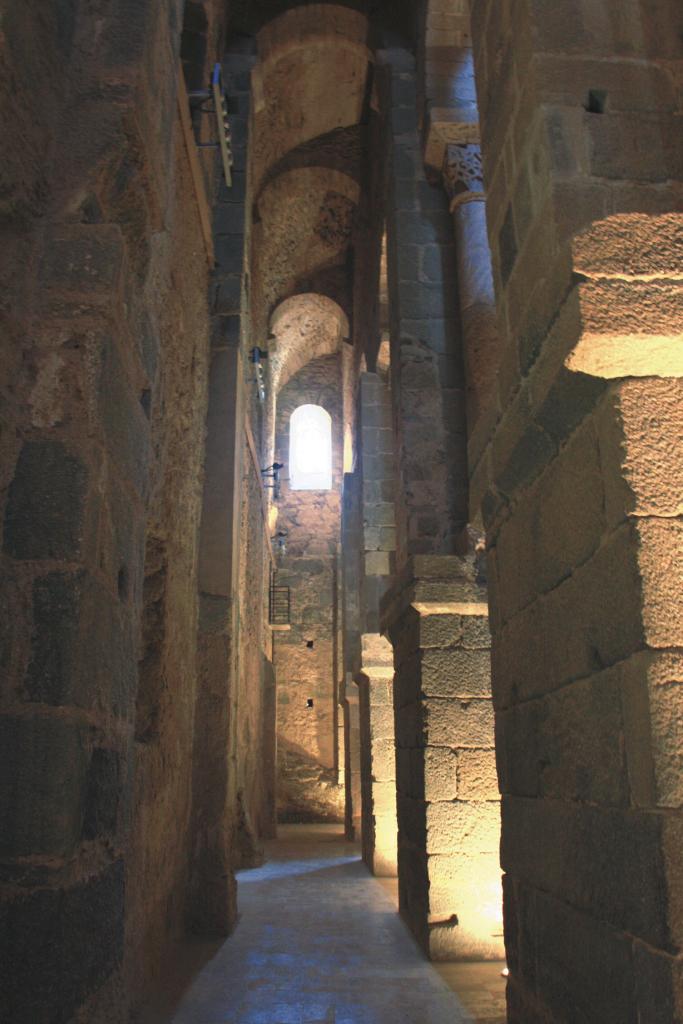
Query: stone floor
[[319, 942]]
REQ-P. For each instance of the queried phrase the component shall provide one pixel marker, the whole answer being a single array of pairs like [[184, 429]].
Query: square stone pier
[[436, 616]]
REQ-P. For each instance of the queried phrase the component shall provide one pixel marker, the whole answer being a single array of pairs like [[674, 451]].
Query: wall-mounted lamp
[[274, 473], [220, 111], [257, 356], [280, 539]]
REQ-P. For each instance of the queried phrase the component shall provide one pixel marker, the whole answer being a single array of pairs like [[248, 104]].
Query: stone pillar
[[448, 806], [449, 880], [341, 742], [352, 582], [378, 762], [427, 383], [377, 497], [72, 558], [269, 830], [212, 897], [378, 756], [463, 178], [352, 776]]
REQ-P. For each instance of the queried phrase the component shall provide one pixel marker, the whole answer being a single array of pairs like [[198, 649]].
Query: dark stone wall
[[580, 109], [228, 814], [102, 400], [427, 380]]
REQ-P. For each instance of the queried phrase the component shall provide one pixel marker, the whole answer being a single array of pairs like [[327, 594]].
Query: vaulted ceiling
[[394, 17], [312, 89]]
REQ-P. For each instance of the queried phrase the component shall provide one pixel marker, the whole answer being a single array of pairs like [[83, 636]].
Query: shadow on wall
[[247, 849], [307, 792]]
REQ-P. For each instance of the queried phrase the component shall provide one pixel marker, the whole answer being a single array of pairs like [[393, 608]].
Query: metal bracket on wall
[[215, 95], [257, 356]]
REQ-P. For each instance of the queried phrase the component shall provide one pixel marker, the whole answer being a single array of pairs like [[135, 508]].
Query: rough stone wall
[[581, 113], [104, 280], [158, 856], [229, 795], [254, 643], [305, 657]]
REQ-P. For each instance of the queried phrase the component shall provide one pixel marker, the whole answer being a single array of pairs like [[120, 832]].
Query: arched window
[[310, 449]]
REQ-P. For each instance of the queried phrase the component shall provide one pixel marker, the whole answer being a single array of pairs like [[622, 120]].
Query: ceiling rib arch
[[303, 327]]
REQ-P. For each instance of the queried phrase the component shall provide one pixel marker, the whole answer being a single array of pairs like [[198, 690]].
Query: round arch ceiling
[[397, 17], [303, 327], [303, 231], [313, 96], [313, 74]]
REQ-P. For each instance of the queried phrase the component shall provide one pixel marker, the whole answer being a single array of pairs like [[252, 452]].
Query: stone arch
[[304, 228], [312, 25], [301, 51], [304, 327]]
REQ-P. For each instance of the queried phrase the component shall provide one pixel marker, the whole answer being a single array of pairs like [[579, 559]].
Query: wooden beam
[[195, 168]]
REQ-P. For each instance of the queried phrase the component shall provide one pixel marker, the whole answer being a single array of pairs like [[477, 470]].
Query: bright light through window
[[310, 449]]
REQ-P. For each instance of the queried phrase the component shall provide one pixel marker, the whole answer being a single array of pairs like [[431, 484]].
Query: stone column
[[378, 756], [352, 817], [463, 178], [352, 575], [435, 614], [377, 497], [378, 762], [448, 806], [341, 742], [427, 383]]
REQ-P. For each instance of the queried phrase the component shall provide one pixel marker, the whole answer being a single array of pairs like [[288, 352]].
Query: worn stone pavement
[[319, 942]]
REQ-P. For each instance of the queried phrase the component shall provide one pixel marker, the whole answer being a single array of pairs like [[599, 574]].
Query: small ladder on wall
[[279, 603]]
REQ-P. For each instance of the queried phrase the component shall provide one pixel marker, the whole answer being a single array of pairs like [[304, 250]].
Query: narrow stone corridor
[[341, 511], [319, 942]]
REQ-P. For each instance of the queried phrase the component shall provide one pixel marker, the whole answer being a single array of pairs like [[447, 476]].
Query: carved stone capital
[[463, 175]]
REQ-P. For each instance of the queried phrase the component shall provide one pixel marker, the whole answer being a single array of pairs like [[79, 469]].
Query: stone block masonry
[[103, 257], [580, 113], [427, 382], [375, 680], [447, 794], [139, 702], [378, 756], [211, 906]]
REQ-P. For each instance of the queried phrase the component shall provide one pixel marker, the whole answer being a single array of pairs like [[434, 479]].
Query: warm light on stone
[[342, 487]]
